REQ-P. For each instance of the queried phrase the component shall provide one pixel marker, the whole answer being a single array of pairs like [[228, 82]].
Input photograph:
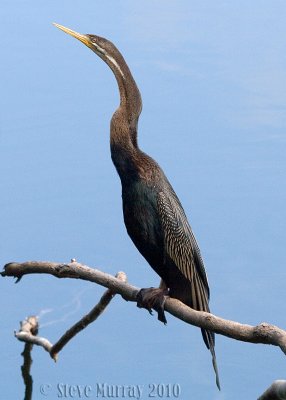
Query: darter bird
[[153, 215]]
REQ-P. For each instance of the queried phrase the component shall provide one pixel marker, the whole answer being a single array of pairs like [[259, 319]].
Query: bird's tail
[[201, 303], [209, 339], [198, 298]]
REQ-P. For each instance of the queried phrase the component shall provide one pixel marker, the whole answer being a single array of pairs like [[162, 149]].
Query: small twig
[[263, 333], [25, 369], [31, 325], [87, 319], [28, 331], [277, 391]]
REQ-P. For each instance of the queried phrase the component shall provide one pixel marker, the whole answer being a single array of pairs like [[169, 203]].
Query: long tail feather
[[208, 336], [209, 341]]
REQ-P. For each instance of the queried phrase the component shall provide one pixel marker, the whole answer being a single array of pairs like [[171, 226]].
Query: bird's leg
[[154, 298]]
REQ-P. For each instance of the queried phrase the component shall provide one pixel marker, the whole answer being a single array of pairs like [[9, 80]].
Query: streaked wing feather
[[181, 245]]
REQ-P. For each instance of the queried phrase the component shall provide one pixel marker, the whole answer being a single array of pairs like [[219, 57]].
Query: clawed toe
[[153, 298]]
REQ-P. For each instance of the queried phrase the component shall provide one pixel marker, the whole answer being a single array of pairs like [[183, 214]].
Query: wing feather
[[180, 243], [182, 248]]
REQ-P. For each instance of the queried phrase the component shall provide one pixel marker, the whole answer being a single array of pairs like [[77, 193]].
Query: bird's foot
[[153, 298]]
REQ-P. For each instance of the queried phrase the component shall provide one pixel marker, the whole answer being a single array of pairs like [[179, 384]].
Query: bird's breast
[[142, 221], [140, 210]]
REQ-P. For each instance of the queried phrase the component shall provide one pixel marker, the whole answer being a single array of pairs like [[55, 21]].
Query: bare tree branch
[[28, 325], [87, 319], [277, 391], [28, 331], [263, 333]]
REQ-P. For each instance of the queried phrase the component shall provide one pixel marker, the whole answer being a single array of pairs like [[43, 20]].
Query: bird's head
[[100, 46]]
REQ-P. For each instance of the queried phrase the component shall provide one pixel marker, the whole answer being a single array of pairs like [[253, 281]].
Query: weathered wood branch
[[277, 391], [28, 334], [87, 319], [263, 333], [29, 327]]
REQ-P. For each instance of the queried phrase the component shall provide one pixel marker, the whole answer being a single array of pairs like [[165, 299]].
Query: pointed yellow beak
[[83, 38]]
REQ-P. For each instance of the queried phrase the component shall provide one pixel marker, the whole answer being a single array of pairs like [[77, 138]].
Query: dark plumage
[[153, 215]]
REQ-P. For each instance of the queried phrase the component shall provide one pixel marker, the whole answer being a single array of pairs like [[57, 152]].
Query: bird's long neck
[[123, 127]]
